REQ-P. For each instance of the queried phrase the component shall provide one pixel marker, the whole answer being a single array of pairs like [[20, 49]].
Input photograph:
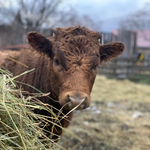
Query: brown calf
[[65, 65]]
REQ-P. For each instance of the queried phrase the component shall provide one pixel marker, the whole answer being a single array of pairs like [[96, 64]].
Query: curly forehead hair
[[76, 31], [76, 40]]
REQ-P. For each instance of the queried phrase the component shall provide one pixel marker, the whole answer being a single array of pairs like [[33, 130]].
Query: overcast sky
[[110, 12]]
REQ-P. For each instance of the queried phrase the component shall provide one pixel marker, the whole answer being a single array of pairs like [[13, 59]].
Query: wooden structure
[[125, 65], [119, 68], [14, 35]]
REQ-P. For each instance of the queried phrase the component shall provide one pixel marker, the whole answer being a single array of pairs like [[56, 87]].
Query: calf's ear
[[110, 51], [40, 43]]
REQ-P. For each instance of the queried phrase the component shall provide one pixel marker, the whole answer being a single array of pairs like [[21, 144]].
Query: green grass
[[141, 78]]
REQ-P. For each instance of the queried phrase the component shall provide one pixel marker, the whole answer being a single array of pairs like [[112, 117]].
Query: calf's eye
[[57, 62], [95, 67]]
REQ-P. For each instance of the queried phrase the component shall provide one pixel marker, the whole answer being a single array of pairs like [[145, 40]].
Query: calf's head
[[74, 55]]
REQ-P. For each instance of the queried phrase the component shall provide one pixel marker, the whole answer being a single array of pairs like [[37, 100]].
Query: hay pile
[[19, 126]]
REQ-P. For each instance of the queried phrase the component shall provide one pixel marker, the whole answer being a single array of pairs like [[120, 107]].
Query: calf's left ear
[[39, 43], [110, 51]]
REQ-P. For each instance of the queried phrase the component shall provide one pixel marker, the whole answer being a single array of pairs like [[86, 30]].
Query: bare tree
[[139, 20], [85, 21], [32, 15]]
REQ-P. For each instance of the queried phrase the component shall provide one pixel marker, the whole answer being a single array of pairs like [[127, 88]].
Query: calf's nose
[[74, 102]]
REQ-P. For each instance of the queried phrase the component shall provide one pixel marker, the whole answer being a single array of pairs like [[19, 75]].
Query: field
[[118, 118]]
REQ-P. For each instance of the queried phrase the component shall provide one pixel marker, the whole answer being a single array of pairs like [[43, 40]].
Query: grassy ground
[[118, 118], [141, 77]]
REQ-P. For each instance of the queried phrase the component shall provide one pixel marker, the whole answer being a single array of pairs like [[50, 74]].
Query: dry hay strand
[[20, 128]]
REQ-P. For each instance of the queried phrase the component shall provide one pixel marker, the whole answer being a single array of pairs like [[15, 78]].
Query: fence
[[14, 35], [119, 68], [124, 68]]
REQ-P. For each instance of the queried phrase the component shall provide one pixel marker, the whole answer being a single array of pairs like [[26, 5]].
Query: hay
[[20, 128]]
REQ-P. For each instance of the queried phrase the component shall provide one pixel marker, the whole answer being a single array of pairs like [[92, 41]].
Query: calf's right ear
[[40, 43], [110, 51]]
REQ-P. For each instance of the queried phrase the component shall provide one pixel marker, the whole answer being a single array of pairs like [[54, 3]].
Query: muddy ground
[[118, 118]]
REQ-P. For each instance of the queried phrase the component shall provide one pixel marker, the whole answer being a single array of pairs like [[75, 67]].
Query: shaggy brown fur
[[64, 65]]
